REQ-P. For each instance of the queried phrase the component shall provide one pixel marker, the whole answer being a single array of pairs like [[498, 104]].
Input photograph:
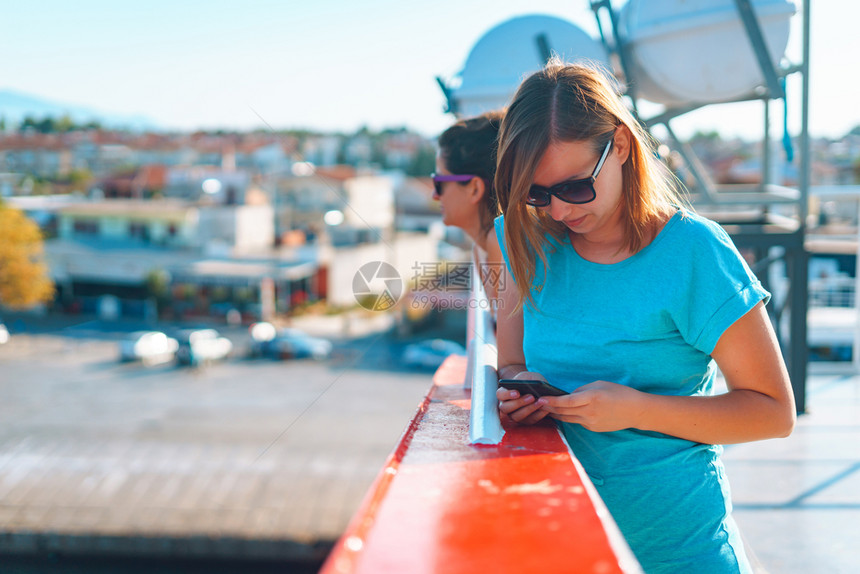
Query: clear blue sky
[[326, 64]]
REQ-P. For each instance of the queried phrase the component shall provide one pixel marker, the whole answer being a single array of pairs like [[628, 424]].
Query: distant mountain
[[15, 106]]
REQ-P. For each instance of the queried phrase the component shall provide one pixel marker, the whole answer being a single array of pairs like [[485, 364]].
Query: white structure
[[699, 52], [405, 252], [681, 51], [168, 223], [195, 182], [237, 229], [234, 229], [370, 201], [508, 53]]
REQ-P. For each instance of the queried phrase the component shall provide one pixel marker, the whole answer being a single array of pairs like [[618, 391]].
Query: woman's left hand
[[600, 406]]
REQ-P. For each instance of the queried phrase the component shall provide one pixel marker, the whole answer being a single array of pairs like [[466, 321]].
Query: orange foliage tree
[[24, 279]]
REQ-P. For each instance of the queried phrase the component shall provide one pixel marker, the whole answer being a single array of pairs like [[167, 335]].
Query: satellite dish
[[511, 51], [697, 51]]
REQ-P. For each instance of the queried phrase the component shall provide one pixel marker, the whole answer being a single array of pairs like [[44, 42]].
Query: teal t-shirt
[[649, 322]]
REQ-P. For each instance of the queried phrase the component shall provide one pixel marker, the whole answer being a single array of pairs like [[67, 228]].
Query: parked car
[[149, 347], [201, 346], [4, 333], [269, 341], [432, 353]]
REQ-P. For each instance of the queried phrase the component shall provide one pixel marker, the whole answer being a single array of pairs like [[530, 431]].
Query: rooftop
[[137, 207]]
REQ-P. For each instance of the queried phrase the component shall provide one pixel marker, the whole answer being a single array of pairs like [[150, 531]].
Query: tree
[[47, 126], [24, 280], [65, 124], [711, 136], [424, 161], [80, 179], [158, 287]]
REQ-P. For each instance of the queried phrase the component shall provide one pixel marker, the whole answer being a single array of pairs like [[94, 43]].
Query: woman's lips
[[575, 222]]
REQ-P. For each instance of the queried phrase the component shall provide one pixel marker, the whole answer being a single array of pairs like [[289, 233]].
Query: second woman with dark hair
[[463, 185]]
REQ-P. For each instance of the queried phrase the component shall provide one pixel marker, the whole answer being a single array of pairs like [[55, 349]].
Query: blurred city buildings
[[199, 224]]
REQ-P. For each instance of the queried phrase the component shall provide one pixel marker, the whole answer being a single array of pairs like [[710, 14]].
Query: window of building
[[138, 230], [86, 227]]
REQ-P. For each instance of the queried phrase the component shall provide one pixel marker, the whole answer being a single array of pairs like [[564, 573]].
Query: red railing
[[516, 504]]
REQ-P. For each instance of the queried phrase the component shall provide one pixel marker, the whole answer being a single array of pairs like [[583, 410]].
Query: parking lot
[[243, 458]]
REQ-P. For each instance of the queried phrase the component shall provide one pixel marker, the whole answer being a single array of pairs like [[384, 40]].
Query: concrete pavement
[[247, 459], [267, 460], [797, 500]]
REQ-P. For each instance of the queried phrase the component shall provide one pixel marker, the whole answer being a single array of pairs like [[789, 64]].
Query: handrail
[[444, 504], [485, 426]]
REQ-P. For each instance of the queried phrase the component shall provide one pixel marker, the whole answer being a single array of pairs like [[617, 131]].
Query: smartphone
[[535, 388]]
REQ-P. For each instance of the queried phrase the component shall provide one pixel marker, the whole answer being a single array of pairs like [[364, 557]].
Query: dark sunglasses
[[572, 190], [439, 179]]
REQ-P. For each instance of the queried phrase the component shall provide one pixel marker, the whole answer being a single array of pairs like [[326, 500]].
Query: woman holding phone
[[629, 302]]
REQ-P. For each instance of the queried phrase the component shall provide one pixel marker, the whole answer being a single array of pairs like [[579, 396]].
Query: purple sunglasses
[[438, 180]]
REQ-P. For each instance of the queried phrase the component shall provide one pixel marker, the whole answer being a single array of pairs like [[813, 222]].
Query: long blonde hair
[[567, 103]]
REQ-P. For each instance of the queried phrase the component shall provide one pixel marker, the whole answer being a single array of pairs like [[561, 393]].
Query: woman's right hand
[[526, 409]]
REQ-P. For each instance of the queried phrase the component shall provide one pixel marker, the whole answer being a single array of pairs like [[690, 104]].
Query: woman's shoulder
[[690, 224], [700, 237]]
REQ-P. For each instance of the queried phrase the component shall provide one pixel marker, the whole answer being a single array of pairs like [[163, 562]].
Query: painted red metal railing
[[442, 504]]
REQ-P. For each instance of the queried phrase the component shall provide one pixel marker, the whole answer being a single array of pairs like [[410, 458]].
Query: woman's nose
[[558, 209]]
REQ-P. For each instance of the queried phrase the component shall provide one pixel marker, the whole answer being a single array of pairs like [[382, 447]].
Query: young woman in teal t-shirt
[[630, 303]]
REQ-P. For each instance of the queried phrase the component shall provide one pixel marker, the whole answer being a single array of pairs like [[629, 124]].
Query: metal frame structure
[[770, 237]]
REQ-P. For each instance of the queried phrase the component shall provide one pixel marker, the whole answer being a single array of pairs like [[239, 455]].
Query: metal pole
[[800, 284], [621, 49], [759, 46], [700, 174], [798, 303], [765, 147], [855, 349], [804, 124]]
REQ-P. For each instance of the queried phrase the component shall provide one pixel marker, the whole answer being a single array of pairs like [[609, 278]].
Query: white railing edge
[[485, 426]]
